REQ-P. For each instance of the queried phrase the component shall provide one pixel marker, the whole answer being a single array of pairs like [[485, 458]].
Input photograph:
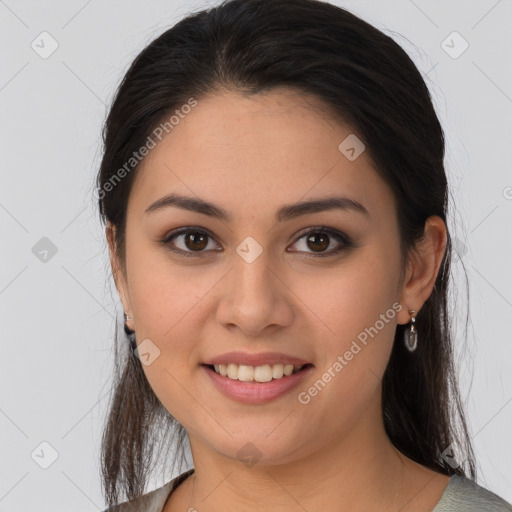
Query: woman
[[275, 204]]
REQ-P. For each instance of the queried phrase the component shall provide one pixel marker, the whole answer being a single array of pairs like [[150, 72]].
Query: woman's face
[[255, 282]]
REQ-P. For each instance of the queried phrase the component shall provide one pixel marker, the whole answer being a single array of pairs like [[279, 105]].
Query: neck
[[361, 470]]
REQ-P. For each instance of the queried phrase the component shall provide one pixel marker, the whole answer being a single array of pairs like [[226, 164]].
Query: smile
[[263, 373], [254, 391]]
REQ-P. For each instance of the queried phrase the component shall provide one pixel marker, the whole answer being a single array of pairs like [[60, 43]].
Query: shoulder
[[465, 495], [153, 501]]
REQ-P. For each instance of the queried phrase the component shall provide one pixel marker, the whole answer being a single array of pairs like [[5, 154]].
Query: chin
[[258, 448]]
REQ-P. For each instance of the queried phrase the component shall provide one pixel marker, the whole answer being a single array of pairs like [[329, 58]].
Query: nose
[[255, 297]]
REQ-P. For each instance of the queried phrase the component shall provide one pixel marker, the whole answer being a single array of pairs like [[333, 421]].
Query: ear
[[423, 268], [117, 271]]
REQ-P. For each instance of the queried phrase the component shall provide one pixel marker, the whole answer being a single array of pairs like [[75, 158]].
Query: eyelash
[[337, 235]]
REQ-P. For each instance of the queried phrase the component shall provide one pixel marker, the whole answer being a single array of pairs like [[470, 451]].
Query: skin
[[250, 155]]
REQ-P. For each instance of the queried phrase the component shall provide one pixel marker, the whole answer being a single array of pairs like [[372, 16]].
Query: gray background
[[58, 310]]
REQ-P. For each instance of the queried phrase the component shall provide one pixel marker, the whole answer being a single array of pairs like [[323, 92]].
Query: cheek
[[167, 304], [358, 325], [351, 308], [163, 292], [353, 295]]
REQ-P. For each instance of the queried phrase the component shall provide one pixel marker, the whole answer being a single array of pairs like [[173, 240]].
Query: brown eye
[[195, 240], [188, 242], [317, 240]]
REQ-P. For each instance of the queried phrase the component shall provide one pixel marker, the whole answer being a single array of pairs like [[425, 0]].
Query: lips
[[261, 359], [254, 391], [256, 378]]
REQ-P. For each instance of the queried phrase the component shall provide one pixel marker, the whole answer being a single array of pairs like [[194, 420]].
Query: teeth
[[264, 373], [277, 371], [233, 371], [245, 373]]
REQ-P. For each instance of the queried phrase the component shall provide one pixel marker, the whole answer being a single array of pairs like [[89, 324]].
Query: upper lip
[[260, 359]]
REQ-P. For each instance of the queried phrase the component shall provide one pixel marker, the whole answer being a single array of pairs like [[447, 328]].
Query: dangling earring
[[130, 333], [411, 335]]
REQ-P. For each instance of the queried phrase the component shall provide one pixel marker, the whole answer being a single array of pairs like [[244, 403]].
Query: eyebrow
[[286, 212]]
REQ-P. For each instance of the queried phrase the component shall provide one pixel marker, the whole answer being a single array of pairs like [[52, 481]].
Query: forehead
[[247, 151]]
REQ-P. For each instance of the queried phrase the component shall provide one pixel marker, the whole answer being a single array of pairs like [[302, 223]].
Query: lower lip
[[256, 392]]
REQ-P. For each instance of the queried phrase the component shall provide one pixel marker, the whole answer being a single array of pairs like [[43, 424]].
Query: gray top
[[464, 495], [460, 495]]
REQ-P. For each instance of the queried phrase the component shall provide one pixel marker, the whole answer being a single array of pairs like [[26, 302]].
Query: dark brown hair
[[369, 82]]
